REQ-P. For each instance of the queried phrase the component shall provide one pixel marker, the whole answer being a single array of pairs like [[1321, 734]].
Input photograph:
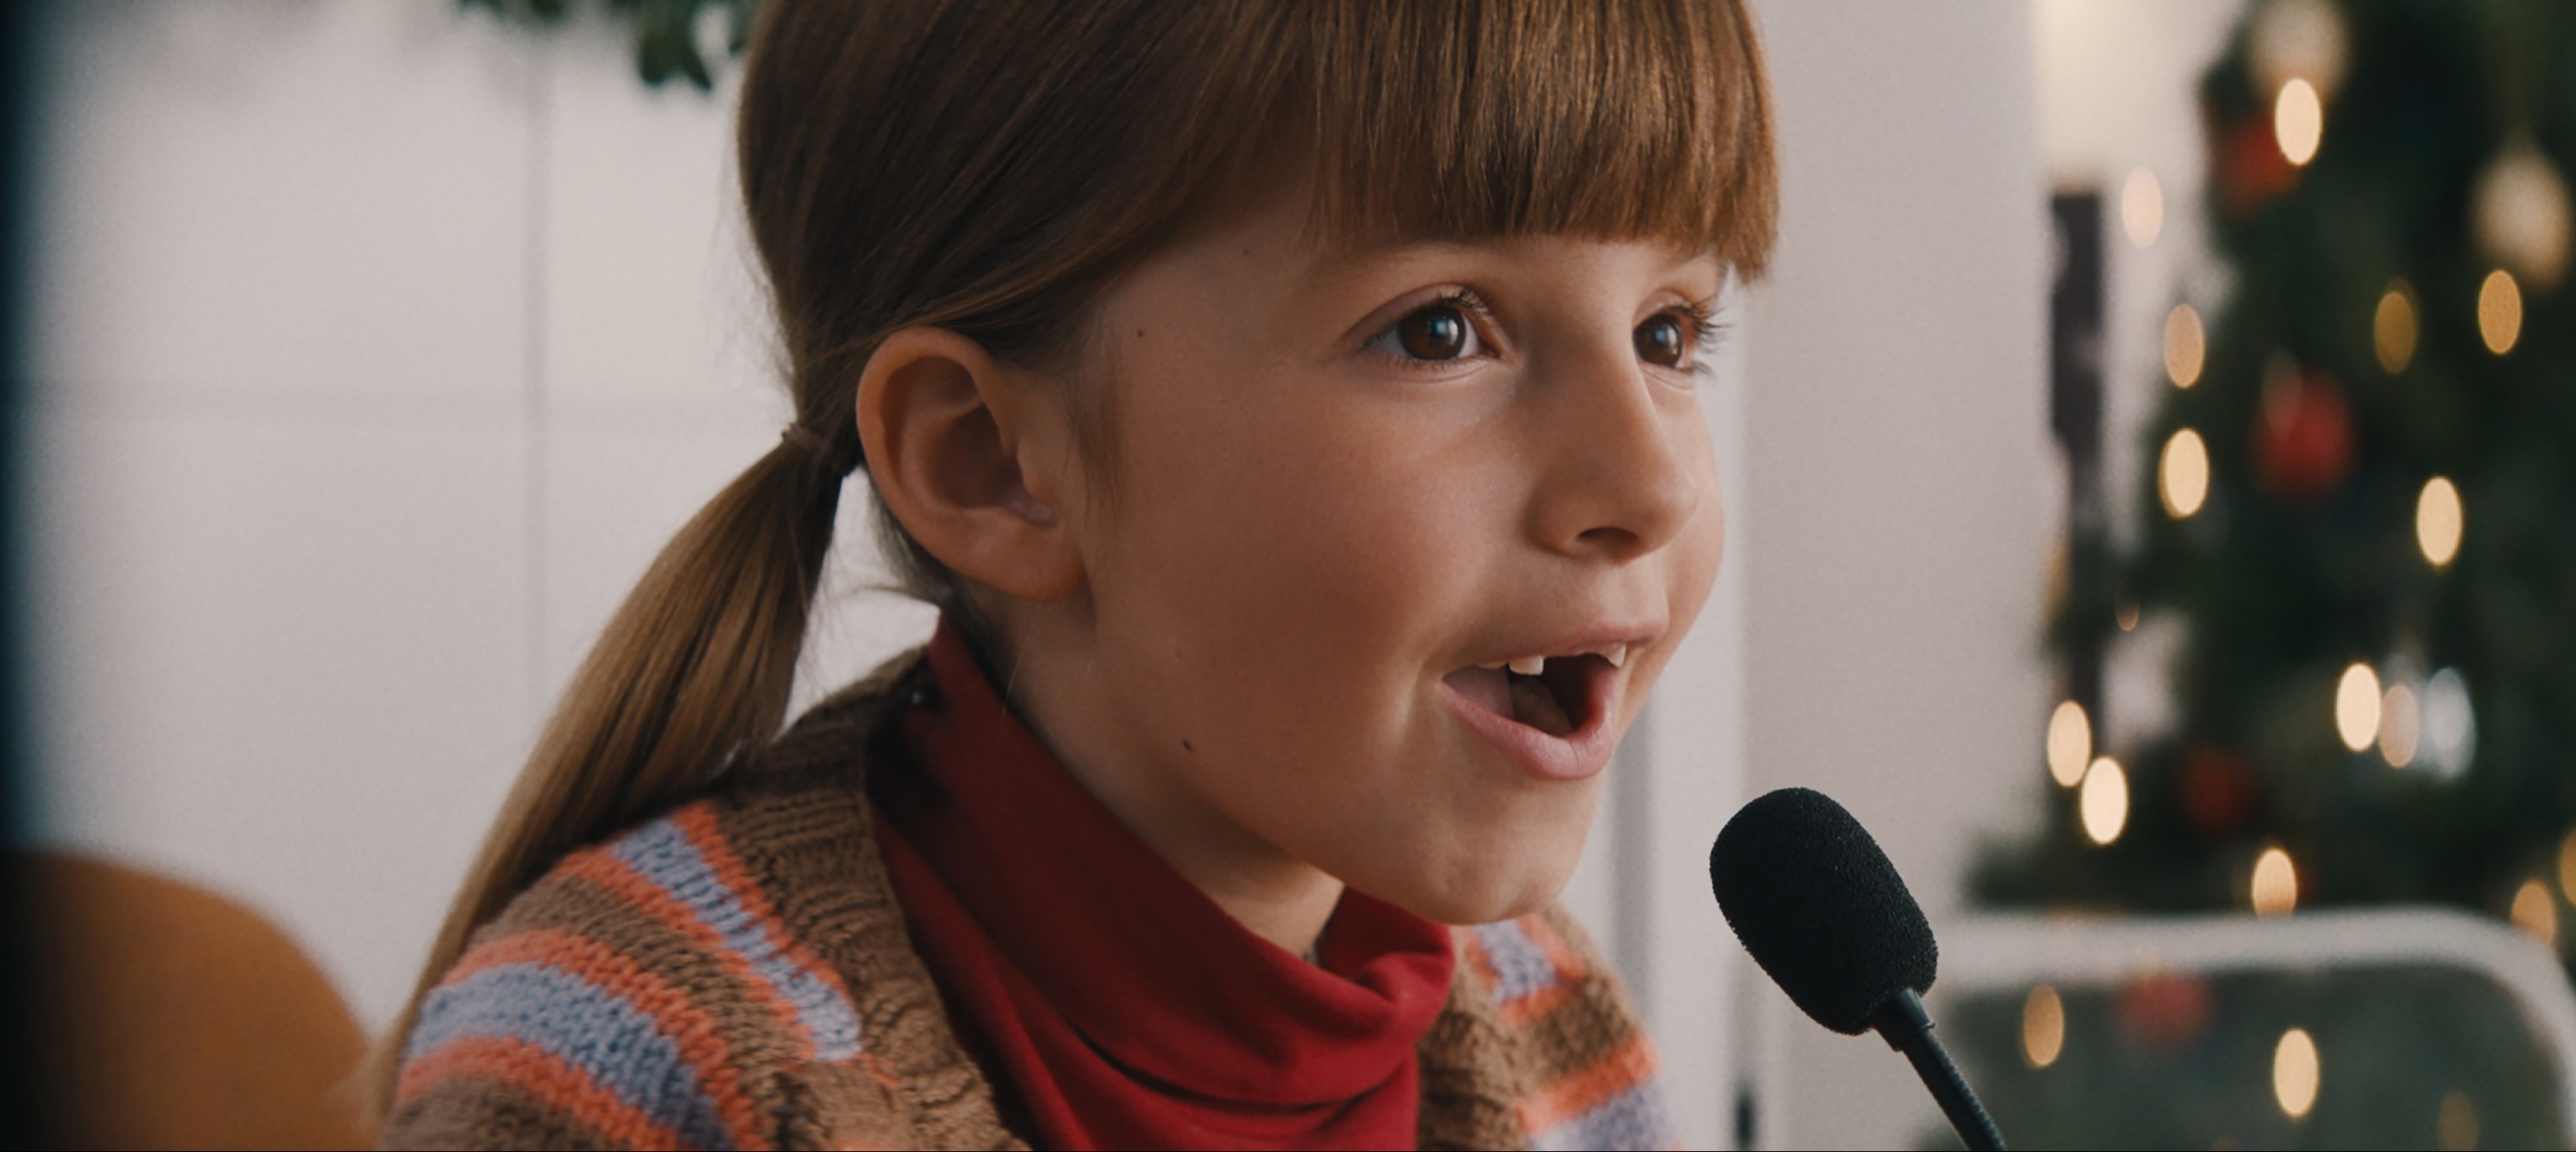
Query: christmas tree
[[2361, 516], [2357, 539]]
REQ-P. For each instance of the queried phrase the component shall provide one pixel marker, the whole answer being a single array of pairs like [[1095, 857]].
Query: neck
[[1050, 677]]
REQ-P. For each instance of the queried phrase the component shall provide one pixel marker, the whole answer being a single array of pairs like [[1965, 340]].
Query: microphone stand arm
[[1908, 1029]]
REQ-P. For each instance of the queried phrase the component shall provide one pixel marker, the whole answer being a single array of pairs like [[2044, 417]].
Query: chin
[[1485, 891]]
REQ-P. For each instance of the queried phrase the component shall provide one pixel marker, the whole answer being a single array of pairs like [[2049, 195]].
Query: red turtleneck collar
[[1114, 1004]]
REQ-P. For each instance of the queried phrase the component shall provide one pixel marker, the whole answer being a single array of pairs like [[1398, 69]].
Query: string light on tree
[[2439, 521], [2103, 801], [2298, 122], [2499, 311], [2182, 474], [2392, 327], [2043, 1027], [2567, 865], [2519, 212], [2536, 912], [2400, 725], [2357, 706], [2455, 1125], [2296, 1073], [2275, 887], [2070, 744], [2186, 346], [2450, 725]]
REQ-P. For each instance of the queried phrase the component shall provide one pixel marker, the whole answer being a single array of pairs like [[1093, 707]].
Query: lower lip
[[1578, 755]]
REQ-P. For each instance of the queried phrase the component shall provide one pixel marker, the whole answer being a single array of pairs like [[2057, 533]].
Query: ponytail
[[689, 681]]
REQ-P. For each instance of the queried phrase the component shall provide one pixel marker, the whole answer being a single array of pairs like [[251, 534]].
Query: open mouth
[[1557, 695]]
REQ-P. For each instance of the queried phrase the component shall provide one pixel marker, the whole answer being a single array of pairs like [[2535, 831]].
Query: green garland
[[667, 33]]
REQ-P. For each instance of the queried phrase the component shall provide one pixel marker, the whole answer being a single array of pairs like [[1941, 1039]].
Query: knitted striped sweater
[[736, 974]]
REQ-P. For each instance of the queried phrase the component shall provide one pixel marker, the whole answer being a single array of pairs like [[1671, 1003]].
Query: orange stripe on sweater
[[613, 875], [1570, 970], [697, 822], [541, 1074], [672, 1011], [1578, 1093]]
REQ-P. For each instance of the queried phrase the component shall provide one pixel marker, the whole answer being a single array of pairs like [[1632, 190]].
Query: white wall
[[1902, 493], [377, 349]]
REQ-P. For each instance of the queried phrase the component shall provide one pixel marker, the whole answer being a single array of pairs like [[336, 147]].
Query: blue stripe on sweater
[[617, 1044], [1521, 967], [1641, 1117], [660, 852]]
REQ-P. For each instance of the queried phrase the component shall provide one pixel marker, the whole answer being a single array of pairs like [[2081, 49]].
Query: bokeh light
[[2186, 346], [2392, 327], [2455, 1127], [2450, 725], [2439, 521], [2103, 801], [2567, 865], [2298, 122], [2043, 1027], [2536, 911], [2357, 706], [2182, 474], [2500, 311], [2296, 1073], [2401, 726], [2142, 207], [2275, 890], [2070, 744]]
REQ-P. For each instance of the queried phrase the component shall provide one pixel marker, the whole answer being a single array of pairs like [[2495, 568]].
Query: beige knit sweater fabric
[[737, 973]]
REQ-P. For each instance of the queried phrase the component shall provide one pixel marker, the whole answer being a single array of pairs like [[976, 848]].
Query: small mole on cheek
[[1186, 746], [1140, 333]]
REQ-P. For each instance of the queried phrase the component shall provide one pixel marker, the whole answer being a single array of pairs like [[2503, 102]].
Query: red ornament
[[2251, 170], [2164, 1011], [2303, 438], [2217, 790]]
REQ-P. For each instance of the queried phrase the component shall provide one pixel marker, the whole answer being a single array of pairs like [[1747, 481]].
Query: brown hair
[[988, 168]]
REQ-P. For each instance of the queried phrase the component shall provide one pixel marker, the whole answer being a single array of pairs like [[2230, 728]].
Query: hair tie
[[800, 436]]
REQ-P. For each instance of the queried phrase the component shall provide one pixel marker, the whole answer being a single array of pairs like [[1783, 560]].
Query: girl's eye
[[1439, 332], [1662, 341]]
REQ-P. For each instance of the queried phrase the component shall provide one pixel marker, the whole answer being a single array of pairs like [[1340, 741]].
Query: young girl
[[1289, 405]]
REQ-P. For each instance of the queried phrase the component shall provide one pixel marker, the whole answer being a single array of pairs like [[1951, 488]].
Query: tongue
[[1486, 688], [1534, 705], [1526, 699]]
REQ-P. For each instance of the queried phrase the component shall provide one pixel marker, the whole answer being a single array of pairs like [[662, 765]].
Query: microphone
[[1823, 911]]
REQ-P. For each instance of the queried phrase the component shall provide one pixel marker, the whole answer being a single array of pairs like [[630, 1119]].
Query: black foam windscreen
[[1820, 907]]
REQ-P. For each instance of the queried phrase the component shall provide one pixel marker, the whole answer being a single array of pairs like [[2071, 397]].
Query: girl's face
[[1351, 494]]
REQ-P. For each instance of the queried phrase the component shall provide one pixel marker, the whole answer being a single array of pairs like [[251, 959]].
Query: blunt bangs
[[1463, 119]]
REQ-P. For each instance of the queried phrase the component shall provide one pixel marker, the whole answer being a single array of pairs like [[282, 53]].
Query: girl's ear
[[974, 459]]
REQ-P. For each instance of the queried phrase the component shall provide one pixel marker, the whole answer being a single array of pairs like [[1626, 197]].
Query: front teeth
[[1616, 654]]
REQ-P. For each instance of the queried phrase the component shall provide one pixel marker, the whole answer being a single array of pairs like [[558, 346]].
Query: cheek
[[1691, 564], [1306, 543]]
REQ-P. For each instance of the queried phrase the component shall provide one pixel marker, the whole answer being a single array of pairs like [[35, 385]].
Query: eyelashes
[[1455, 326], [1706, 328]]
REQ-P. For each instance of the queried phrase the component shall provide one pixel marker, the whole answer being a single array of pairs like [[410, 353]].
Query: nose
[[1619, 449]]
